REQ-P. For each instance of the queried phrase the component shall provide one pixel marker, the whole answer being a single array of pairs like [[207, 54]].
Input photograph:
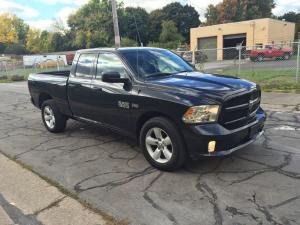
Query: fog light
[[211, 146]]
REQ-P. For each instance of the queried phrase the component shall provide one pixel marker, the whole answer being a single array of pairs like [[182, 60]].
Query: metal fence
[[16, 69], [273, 64]]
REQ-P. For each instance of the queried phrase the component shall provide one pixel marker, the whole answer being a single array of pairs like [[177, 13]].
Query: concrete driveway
[[257, 185]]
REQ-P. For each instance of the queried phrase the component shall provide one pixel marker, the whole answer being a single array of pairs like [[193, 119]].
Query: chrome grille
[[240, 110]]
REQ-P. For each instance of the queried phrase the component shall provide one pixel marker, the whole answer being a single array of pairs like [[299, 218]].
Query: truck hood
[[205, 82], [208, 86]]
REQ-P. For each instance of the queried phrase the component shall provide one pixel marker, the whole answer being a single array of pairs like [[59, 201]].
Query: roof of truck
[[113, 49]]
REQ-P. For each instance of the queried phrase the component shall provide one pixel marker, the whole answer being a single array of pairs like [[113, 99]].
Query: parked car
[[199, 56], [50, 63], [270, 51], [153, 96]]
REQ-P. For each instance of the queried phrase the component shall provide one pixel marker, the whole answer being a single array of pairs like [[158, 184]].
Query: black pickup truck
[[155, 97]]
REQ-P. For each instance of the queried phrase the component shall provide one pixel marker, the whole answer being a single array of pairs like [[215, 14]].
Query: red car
[[270, 51]]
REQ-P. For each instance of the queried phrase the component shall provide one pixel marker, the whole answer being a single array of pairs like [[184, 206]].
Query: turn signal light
[[211, 146]]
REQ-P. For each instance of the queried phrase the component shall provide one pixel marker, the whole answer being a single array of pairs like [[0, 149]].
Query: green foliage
[[92, 24], [127, 42], [184, 17], [133, 24], [154, 24], [170, 34], [238, 10]]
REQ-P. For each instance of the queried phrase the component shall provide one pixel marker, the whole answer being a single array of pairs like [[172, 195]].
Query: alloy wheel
[[159, 145], [49, 117]]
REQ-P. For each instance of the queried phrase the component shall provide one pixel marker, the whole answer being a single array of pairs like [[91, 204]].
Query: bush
[[3, 77], [17, 78], [127, 42]]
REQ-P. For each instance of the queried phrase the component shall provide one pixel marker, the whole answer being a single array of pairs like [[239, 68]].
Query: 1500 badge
[[126, 105]]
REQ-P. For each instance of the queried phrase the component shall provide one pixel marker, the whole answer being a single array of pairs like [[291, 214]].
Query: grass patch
[[270, 80]]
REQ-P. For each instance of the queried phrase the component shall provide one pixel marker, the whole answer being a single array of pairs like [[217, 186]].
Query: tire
[[51, 113], [260, 58], [286, 56], [151, 145]]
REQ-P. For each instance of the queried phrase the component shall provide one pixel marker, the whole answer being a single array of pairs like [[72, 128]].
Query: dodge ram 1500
[[155, 97]]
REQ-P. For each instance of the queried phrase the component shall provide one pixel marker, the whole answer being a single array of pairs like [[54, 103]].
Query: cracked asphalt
[[257, 185]]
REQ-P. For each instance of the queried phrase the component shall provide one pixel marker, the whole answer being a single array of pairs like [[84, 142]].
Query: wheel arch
[[43, 97], [147, 116]]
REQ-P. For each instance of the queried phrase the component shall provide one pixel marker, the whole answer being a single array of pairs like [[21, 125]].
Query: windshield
[[155, 62]]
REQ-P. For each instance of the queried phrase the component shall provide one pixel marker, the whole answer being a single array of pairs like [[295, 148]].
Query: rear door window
[[85, 65]]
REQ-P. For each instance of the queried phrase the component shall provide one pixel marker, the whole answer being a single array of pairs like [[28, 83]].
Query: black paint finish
[[126, 106]]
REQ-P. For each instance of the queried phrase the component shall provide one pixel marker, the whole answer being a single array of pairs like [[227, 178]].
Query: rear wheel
[[53, 120], [286, 56], [162, 144]]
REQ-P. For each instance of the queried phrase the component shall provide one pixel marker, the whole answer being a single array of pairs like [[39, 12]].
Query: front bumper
[[227, 141]]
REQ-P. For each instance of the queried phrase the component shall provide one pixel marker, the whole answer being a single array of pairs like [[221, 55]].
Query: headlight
[[201, 114]]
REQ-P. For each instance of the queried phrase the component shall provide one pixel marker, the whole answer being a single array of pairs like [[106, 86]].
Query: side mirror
[[113, 77]]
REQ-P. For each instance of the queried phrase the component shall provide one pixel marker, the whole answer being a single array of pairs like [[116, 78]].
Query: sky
[[41, 13]]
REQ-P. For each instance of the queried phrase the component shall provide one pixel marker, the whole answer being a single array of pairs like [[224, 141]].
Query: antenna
[[137, 30]]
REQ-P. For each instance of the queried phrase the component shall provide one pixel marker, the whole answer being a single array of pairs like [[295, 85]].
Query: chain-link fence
[[273, 66], [17, 69]]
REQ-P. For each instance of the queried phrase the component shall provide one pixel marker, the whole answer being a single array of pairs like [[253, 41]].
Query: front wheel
[[162, 144], [53, 120], [286, 56]]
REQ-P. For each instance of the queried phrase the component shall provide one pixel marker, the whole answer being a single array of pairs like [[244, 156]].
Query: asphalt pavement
[[246, 65], [256, 185]]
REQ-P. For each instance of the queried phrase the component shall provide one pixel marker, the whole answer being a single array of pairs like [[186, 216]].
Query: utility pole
[[116, 23]]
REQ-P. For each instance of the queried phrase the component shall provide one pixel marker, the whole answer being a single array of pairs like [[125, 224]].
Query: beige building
[[250, 33]]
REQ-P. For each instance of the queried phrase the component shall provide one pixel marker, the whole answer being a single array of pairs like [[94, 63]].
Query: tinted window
[[109, 62], [85, 65], [155, 62]]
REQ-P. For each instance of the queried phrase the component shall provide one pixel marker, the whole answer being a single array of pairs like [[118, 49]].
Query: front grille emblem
[[251, 103]]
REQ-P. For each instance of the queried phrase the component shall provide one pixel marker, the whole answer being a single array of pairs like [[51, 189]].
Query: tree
[[184, 17], [211, 15], [170, 37], [155, 20], [127, 42], [8, 33], [133, 24], [92, 24], [238, 10], [33, 40]]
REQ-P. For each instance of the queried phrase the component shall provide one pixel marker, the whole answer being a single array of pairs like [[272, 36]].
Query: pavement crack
[[51, 205], [160, 209], [153, 181], [114, 183], [284, 202], [234, 211], [213, 200], [264, 210]]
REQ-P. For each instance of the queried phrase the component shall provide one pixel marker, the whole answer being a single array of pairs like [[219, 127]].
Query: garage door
[[208, 46]]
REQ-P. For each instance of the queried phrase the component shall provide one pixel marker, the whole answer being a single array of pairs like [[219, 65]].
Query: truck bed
[[62, 73], [50, 84]]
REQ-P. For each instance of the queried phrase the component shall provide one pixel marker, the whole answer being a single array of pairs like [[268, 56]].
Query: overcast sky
[[41, 13]]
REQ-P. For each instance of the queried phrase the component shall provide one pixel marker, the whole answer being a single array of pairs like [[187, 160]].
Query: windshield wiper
[[159, 75], [184, 71]]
